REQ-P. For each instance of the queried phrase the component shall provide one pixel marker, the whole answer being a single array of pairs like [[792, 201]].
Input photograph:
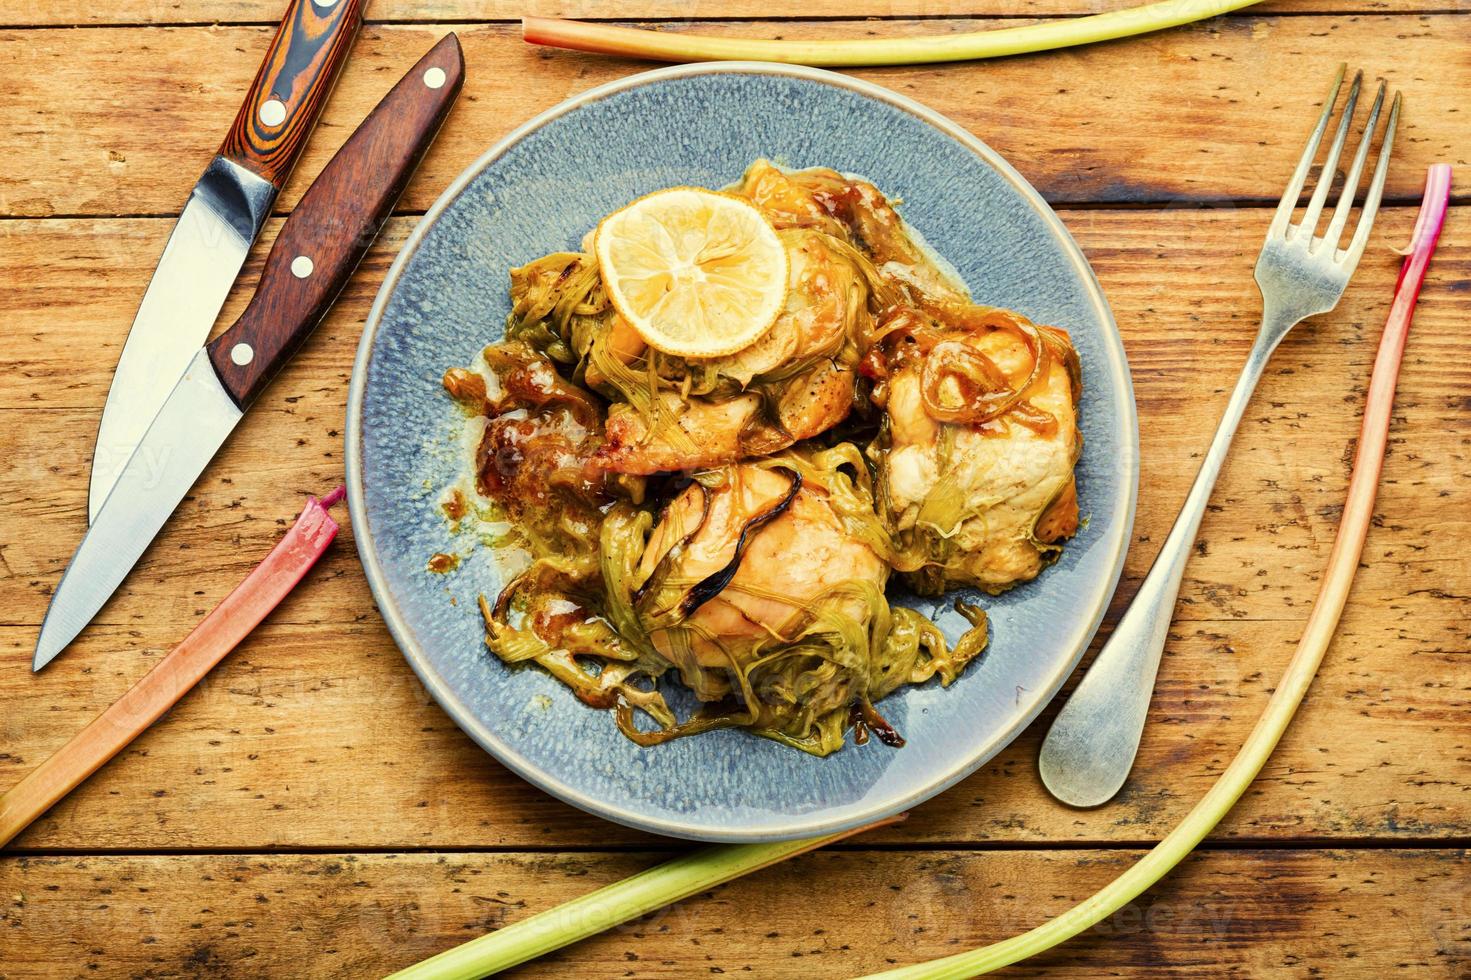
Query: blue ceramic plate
[[539, 190]]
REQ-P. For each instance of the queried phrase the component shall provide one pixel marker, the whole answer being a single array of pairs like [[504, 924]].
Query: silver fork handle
[[1090, 749]]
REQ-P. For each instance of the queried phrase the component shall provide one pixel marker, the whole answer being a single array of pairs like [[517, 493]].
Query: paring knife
[[224, 214], [317, 250]]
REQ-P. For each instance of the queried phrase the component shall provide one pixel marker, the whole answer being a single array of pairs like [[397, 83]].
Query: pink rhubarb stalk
[[183, 667]]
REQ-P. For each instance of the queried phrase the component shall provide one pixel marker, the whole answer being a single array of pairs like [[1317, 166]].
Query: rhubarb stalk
[[159, 689], [1348, 546], [628, 899], [1045, 36]]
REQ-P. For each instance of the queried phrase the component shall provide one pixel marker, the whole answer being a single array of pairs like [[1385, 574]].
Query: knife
[[224, 214], [318, 247]]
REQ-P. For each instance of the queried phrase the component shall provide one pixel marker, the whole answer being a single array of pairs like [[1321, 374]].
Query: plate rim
[[801, 825]]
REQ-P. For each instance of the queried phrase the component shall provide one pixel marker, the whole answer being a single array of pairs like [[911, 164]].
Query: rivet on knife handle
[[292, 86], [335, 222]]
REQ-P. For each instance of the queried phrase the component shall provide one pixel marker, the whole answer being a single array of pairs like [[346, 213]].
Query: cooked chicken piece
[[701, 432], [787, 198], [980, 505], [746, 564], [825, 309], [539, 432], [853, 210], [535, 447], [825, 298]]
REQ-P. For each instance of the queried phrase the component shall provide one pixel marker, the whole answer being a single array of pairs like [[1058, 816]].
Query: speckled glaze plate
[[539, 190]]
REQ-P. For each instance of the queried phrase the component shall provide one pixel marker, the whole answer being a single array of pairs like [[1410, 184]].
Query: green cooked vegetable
[[804, 684]]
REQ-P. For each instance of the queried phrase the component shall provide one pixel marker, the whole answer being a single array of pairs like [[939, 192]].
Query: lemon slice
[[697, 273]]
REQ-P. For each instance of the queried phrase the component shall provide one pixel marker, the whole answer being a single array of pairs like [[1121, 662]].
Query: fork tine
[[1375, 192], [1300, 175], [1330, 164], [1351, 182]]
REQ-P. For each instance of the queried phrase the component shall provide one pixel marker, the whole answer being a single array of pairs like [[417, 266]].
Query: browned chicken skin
[[980, 505], [788, 563]]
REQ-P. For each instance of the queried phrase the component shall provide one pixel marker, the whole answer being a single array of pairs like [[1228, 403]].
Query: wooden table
[[310, 811]]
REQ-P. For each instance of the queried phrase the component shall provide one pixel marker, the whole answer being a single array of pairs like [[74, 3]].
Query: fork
[[1090, 749]]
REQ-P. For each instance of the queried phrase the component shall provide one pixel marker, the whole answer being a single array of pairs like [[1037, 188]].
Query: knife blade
[[220, 221], [318, 247]]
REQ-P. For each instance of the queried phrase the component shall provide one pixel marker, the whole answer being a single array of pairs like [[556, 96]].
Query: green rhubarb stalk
[[1046, 36], [1342, 564], [591, 914]]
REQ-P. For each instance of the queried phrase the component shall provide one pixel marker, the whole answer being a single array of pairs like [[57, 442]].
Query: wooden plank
[[287, 732], [1220, 113], [318, 735], [1222, 914], [1178, 281], [75, 13]]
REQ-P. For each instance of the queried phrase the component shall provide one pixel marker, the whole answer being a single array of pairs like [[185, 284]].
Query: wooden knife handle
[[337, 219], [292, 86]]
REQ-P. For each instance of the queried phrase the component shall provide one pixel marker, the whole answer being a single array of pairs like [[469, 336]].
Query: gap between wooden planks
[[1237, 913], [1214, 111], [285, 737]]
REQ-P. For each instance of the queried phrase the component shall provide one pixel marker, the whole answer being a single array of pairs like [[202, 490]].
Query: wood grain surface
[[1217, 111], [310, 811], [1248, 913]]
